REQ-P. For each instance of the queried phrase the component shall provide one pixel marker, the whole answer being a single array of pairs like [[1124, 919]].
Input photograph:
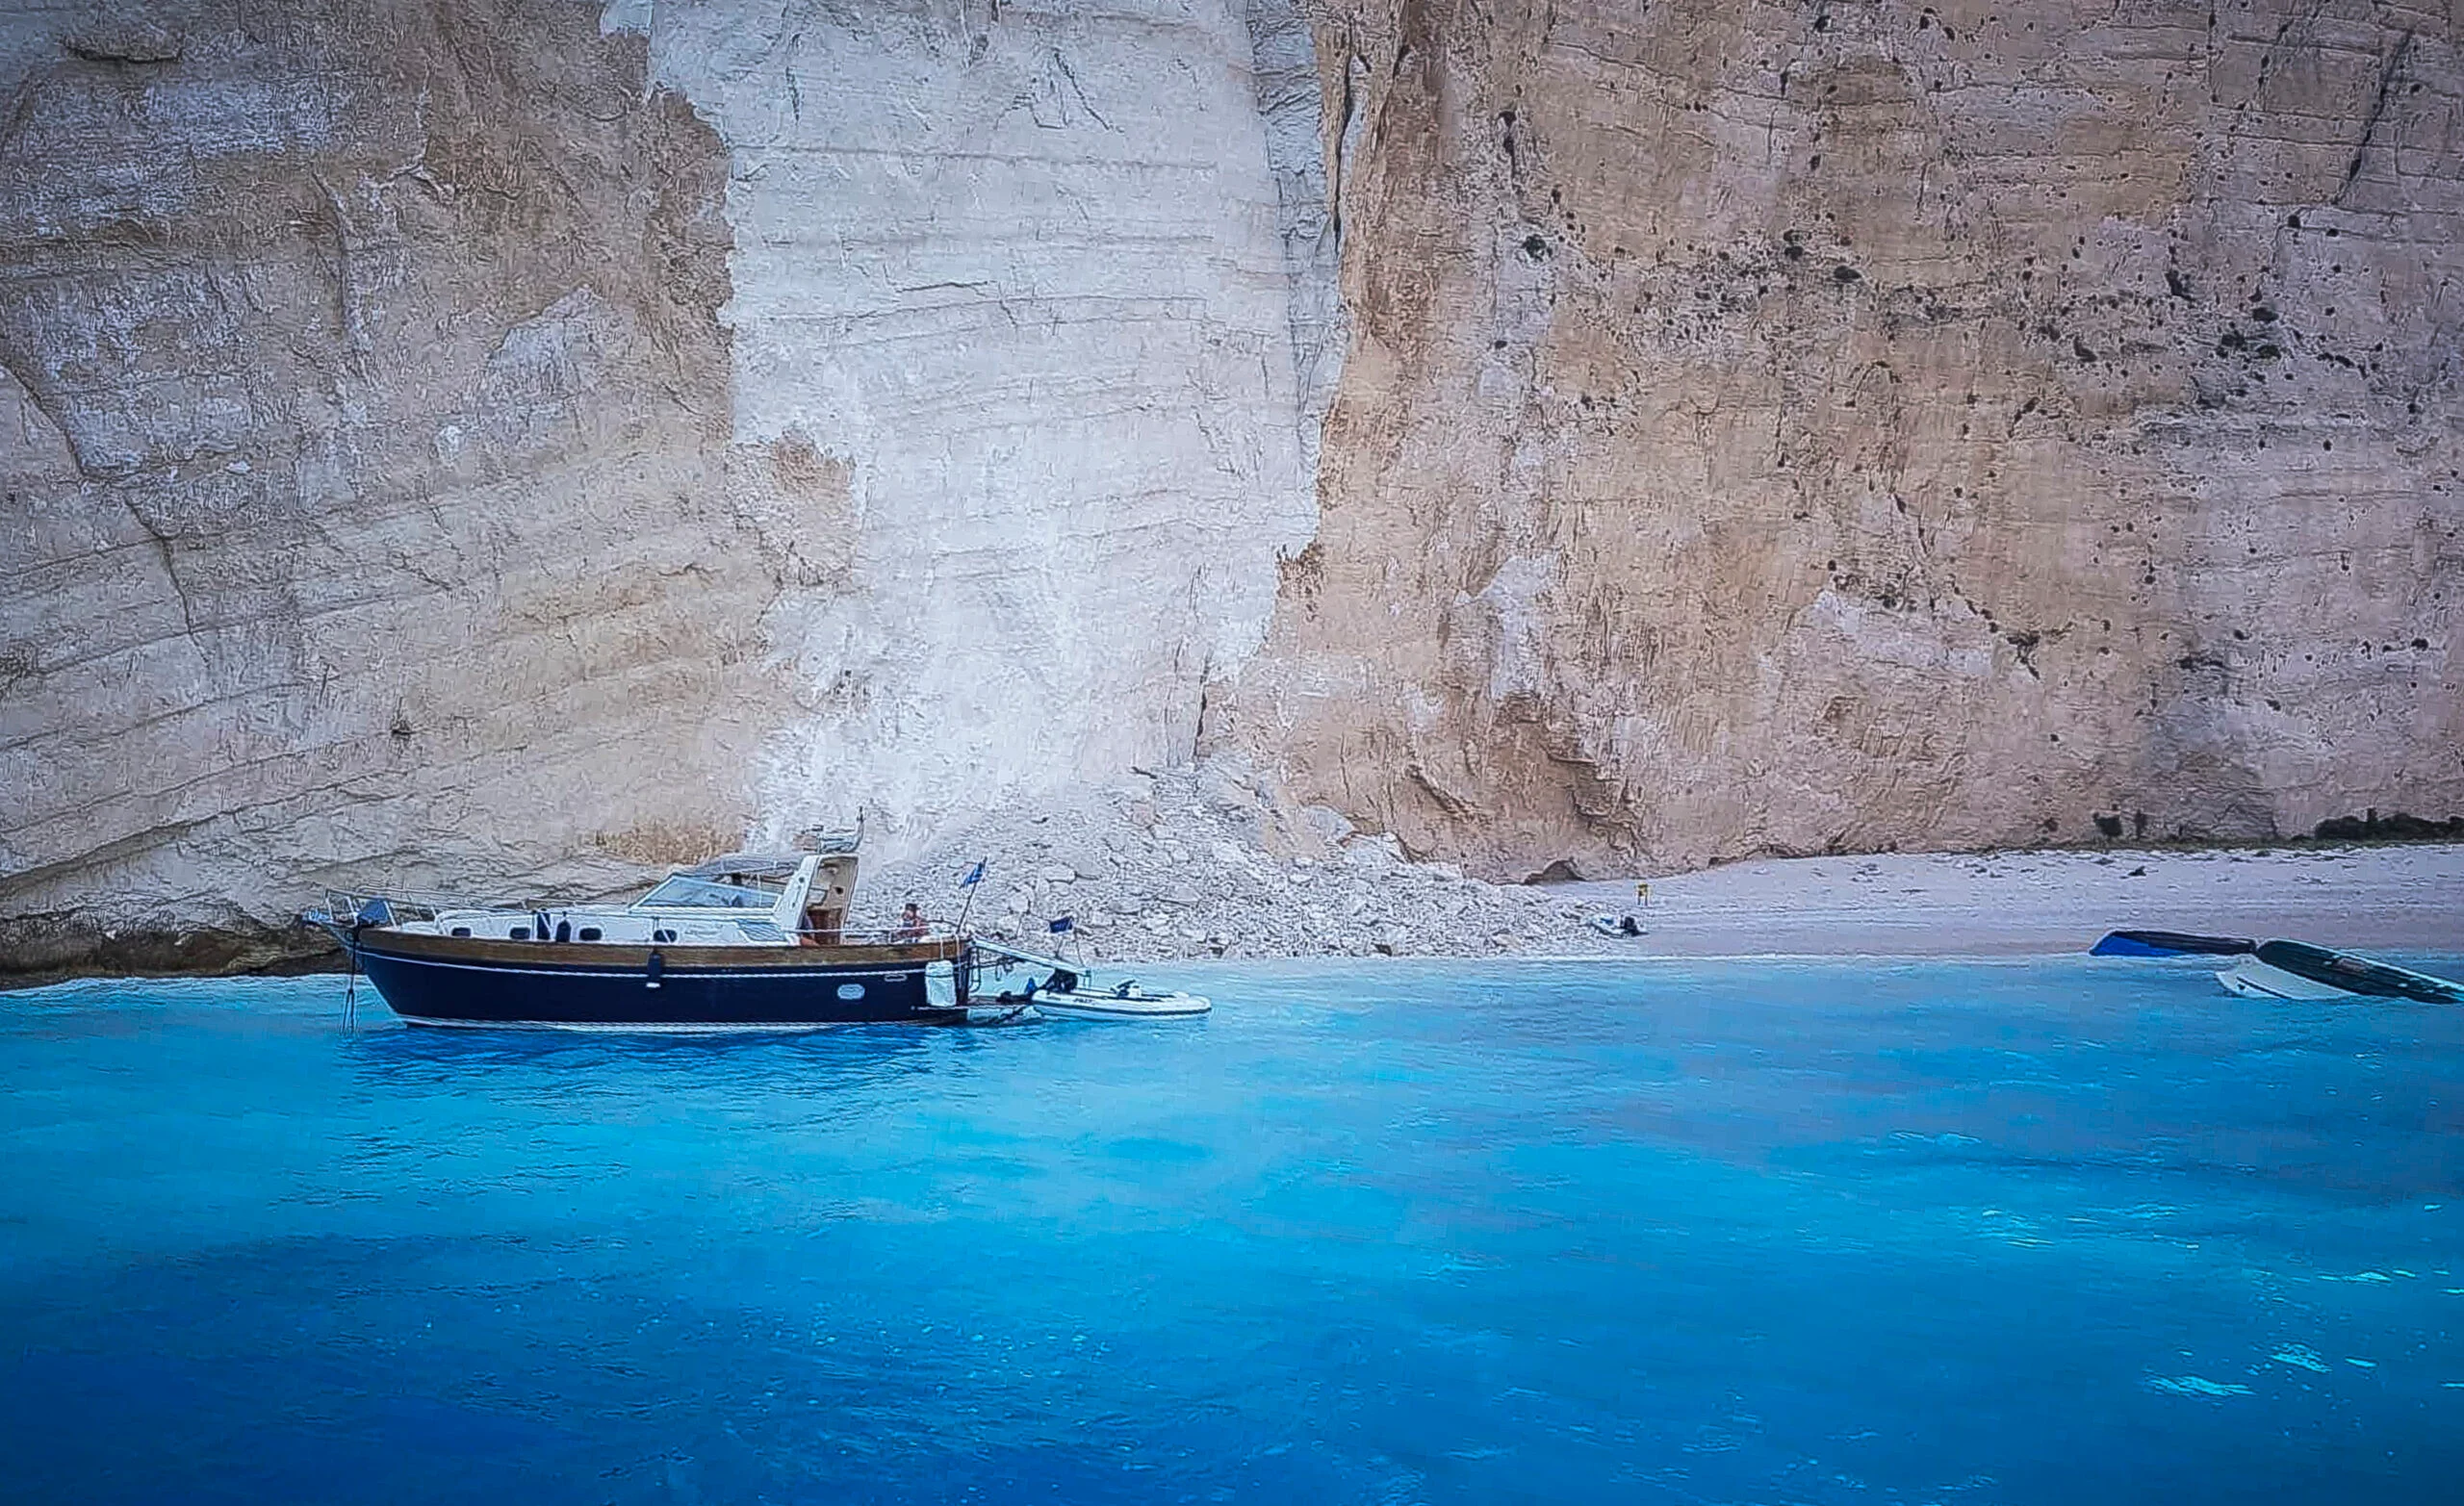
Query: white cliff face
[[1013, 377], [513, 440]]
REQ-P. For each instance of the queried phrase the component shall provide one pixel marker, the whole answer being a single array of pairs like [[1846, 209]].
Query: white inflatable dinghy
[[1068, 990], [1121, 1002]]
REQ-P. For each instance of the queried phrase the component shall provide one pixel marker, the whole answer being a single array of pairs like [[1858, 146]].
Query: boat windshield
[[683, 893]]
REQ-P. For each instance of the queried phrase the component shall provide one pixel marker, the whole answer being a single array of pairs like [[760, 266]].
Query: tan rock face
[[1782, 428], [362, 428]]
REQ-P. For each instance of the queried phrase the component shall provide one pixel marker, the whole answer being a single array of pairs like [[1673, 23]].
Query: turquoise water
[[1688, 1233]]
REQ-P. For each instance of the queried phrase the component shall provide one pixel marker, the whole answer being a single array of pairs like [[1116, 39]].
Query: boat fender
[[657, 966]]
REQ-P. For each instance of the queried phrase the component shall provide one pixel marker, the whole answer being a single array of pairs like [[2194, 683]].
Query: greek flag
[[1061, 925], [974, 875]]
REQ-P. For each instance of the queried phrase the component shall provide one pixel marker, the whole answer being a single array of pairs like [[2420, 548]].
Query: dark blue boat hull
[[580, 995], [2169, 943]]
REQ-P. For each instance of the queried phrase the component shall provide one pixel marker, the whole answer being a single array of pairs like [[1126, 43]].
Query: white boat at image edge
[[747, 942], [2298, 970]]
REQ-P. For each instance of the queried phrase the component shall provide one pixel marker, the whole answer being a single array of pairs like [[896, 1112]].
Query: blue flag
[[974, 875], [1061, 925]]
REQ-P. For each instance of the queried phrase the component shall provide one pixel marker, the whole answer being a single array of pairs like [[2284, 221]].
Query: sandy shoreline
[[2021, 903], [1211, 859], [1196, 892]]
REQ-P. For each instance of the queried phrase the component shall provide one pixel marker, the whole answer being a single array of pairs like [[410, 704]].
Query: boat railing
[[347, 908], [383, 907], [876, 936]]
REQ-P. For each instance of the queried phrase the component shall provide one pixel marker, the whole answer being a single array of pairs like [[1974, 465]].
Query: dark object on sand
[[2169, 943]]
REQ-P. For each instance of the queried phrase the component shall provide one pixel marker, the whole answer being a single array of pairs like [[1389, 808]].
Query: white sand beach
[[1934, 904]]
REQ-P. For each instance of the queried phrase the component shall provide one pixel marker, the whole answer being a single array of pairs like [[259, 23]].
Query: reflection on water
[[552, 1062], [1410, 1231]]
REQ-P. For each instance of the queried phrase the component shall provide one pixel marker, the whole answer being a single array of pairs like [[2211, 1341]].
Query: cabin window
[[519, 934], [461, 930], [851, 990], [663, 938], [680, 891], [588, 932]]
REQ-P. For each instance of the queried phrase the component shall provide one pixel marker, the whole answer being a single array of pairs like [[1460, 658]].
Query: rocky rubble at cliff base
[[1217, 860], [1212, 860]]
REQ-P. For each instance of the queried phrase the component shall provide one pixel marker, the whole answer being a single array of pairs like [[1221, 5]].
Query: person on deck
[[911, 923]]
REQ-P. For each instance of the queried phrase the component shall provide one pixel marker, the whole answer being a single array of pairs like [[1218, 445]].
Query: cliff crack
[[1080, 89], [170, 572], [347, 309], [2388, 73]]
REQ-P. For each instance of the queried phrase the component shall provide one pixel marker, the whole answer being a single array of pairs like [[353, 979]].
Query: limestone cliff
[[505, 441], [364, 431], [1016, 275], [517, 440], [1788, 427]]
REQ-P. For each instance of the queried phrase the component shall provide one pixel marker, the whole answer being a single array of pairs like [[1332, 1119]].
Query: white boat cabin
[[744, 900]]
